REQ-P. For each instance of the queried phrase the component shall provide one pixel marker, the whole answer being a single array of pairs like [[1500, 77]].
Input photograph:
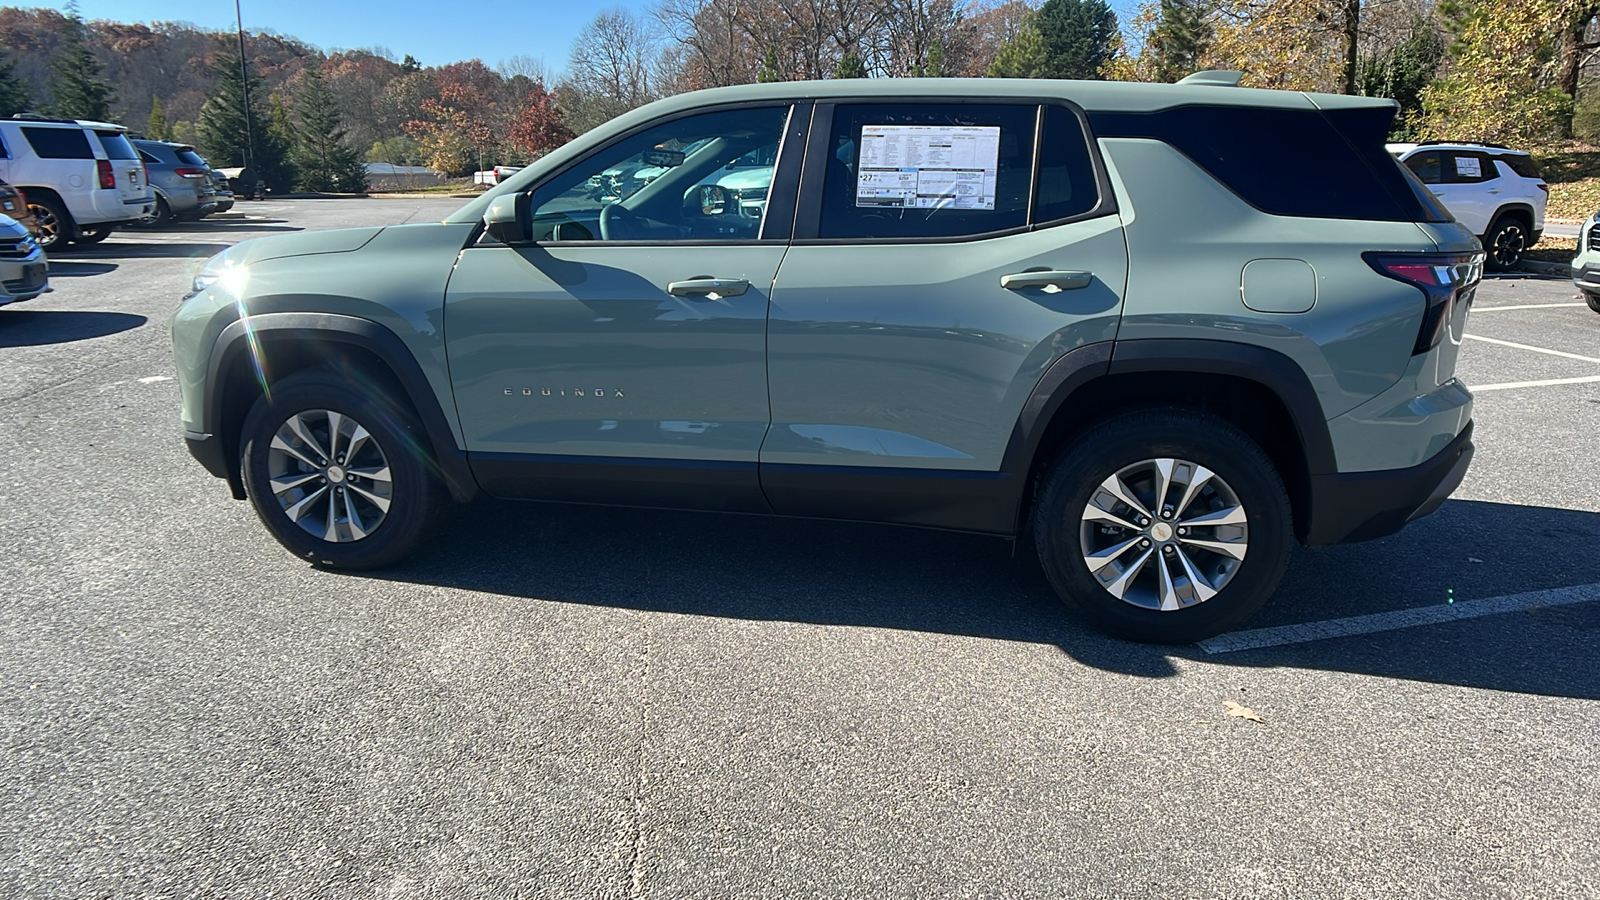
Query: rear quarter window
[[58, 143], [117, 145], [1522, 165], [190, 158]]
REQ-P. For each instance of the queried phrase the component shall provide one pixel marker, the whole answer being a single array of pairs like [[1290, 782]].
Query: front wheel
[[1593, 300], [339, 477], [1506, 242], [1164, 526]]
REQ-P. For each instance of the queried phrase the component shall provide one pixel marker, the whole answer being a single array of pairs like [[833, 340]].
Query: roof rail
[[1222, 77], [35, 117], [1463, 144]]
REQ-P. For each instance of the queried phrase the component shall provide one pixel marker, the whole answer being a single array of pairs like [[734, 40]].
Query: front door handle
[[1065, 281], [706, 286]]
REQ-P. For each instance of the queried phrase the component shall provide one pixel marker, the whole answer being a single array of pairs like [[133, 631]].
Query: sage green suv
[[1162, 331]]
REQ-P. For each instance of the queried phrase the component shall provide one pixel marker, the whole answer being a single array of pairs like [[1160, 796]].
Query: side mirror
[[506, 219], [713, 200]]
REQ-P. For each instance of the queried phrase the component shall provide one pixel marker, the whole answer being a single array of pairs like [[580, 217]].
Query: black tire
[[1505, 242], [56, 228], [417, 494], [1125, 440], [1593, 300], [93, 235], [162, 215]]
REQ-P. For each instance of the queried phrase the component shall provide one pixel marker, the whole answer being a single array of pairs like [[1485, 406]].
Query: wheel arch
[[257, 351], [29, 193], [1523, 211], [1254, 388]]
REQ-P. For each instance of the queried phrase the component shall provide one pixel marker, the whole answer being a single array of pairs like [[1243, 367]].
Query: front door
[[619, 353]]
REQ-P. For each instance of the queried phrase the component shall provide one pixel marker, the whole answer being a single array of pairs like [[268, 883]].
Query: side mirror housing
[[506, 219]]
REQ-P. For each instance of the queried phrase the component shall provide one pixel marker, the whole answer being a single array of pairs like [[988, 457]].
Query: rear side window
[[1426, 166], [1067, 182], [58, 143], [1462, 167], [117, 145], [190, 158], [1286, 162], [1522, 165], [928, 170]]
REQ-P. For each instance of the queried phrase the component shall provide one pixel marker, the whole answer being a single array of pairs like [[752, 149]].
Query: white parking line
[[1506, 386], [1394, 621], [1488, 340], [1479, 309]]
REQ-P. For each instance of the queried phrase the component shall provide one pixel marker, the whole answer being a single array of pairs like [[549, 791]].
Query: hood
[[303, 243]]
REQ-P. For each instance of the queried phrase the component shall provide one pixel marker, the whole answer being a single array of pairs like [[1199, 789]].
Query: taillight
[[1443, 278], [1543, 187], [108, 178], [190, 172]]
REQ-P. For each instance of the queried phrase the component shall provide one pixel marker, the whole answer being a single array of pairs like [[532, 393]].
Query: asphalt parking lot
[[560, 701]]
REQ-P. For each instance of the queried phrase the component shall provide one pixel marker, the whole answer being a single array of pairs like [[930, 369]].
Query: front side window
[[58, 143], [898, 170], [701, 177]]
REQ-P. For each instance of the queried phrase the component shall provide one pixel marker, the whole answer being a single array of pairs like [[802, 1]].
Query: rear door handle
[[1066, 281], [706, 286]]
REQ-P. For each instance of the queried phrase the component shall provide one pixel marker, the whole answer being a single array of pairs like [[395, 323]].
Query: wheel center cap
[[336, 476], [1161, 531]]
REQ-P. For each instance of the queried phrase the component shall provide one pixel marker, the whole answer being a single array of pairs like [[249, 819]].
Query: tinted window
[[1468, 168], [117, 145], [59, 143], [148, 157], [1286, 162], [695, 178], [1522, 165], [190, 158], [4, 152], [1427, 167], [927, 170], [1067, 183]]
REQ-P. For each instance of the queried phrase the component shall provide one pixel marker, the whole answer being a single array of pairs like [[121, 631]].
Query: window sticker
[[1467, 167], [928, 166]]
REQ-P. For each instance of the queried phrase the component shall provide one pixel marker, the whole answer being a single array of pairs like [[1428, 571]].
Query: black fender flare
[[269, 328], [1522, 208]]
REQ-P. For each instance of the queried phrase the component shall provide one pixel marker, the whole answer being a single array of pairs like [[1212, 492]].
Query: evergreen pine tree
[[321, 159], [224, 137], [1180, 38], [75, 81], [1024, 56], [850, 66], [1080, 37], [156, 129], [768, 72], [14, 95]]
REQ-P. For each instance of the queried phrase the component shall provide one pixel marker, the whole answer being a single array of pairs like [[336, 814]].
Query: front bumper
[[1587, 278], [24, 279], [1349, 507]]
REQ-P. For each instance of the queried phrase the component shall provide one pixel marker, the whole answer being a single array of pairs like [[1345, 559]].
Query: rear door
[[126, 167], [940, 265]]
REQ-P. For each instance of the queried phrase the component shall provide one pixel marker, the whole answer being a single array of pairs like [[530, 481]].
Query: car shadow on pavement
[[66, 269], [849, 574], [27, 328], [142, 249]]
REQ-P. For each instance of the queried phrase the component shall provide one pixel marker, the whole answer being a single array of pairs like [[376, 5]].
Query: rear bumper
[[1359, 506]]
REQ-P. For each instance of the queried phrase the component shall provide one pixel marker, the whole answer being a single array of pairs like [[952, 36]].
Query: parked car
[[245, 183], [14, 204], [219, 184], [180, 178], [1586, 265], [1496, 192], [1103, 317], [82, 179], [24, 271]]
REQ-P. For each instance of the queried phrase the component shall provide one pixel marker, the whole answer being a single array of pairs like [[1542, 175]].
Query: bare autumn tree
[[612, 68]]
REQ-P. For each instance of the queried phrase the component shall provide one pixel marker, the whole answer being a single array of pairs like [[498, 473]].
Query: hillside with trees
[[1521, 71]]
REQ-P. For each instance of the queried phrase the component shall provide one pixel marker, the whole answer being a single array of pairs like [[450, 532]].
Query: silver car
[[24, 271], [181, 179]]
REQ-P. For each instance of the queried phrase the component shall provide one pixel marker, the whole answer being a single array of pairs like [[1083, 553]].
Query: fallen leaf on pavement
[[1243, 712]]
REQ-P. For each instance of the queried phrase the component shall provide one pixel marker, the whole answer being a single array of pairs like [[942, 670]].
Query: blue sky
[[432, 31]]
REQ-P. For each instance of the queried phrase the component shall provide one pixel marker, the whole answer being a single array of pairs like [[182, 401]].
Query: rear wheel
[[1166, 526], [1506, 242], [93, 235], [339, 477], [55, 224]]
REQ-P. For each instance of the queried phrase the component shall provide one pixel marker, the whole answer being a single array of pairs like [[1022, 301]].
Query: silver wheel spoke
[[1096, 514], [1117, 489], [382, 503], [1199, 475], [278, 443], [297, 426], [1203, 590], [1163, 482], [290, 482], [335, 423], [298, 511], [1235, 549], [331, 533], [357, 529], [377, 474], [1098, 561], [1169, 593], [1233, 515], [1119, 587], [358, 439]]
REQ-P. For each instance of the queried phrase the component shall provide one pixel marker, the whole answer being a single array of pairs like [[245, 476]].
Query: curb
[[1540, 267]]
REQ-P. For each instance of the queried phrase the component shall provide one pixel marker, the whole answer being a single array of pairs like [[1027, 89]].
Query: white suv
[[1496, 192], [81, 178]]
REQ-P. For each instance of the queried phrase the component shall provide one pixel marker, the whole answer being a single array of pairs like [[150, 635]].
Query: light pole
[[244, 76]]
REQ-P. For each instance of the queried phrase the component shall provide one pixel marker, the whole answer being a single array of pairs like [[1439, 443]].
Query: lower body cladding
[[1341, 507]]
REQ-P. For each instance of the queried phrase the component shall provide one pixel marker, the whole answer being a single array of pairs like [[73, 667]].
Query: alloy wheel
[[49, 225], [1164, 534], [329, 475], [1509, 242]]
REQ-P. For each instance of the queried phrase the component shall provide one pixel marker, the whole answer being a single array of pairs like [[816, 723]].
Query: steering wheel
[[618, 223]]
